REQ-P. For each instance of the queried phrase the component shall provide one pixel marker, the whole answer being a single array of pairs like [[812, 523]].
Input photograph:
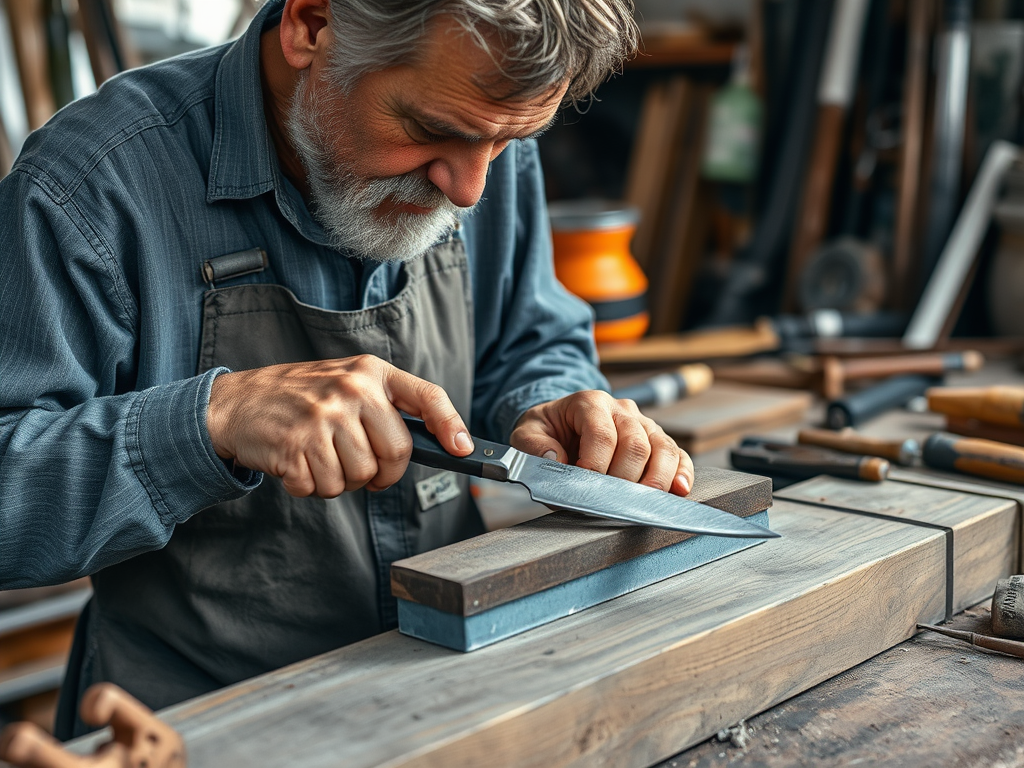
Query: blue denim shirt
[[105, 221]]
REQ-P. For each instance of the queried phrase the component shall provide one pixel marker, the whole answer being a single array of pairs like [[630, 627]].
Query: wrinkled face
[[393, 163]]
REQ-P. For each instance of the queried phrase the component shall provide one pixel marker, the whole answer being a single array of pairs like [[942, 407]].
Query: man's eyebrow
[[442, 127]]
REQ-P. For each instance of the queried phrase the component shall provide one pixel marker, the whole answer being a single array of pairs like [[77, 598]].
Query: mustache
[[407, 188]]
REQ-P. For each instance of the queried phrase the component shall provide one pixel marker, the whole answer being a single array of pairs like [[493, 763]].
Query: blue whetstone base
[[467, 633]]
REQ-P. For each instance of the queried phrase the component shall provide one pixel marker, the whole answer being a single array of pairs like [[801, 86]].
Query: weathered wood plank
[[931, 701], [496, 568], [979, 486], [984, 545], [629, 682]]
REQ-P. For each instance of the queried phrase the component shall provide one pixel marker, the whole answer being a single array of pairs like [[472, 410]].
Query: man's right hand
[[328, 426]]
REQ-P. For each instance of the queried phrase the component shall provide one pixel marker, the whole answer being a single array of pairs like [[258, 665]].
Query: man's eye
[[419, 133]]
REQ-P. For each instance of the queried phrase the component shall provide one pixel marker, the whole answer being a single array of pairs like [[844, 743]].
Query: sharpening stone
[[467, 633]]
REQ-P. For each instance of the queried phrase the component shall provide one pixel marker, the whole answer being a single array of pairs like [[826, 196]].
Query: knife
[[562, 486]]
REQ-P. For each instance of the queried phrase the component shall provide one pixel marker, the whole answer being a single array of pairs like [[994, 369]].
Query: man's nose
[[462, 172]]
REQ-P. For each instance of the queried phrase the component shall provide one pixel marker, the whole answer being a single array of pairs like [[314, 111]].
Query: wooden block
[[629, 682], [475, 592], [726, 412], [982, 543]]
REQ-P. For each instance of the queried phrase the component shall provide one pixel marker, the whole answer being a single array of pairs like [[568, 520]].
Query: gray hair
[[541, 43]]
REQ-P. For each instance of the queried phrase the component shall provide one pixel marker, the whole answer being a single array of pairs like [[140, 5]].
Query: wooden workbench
[[926, 701]]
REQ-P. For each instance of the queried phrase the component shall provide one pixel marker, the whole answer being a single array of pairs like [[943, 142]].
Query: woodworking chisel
[[563, 486], [767, 457]]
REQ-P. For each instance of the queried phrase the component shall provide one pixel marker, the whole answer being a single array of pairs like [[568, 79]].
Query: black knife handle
[[484, 461]]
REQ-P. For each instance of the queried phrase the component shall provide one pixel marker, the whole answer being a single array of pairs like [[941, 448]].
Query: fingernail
[[684, 482], [551, 456], [463, 441]]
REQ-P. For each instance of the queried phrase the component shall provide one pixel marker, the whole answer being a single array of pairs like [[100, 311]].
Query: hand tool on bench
[[140, 739], [666, 388], [1009, 647], [975, 457], [854, 409], [562, 486], [767, 457], [996, 405], [985, 430], [904, 452]]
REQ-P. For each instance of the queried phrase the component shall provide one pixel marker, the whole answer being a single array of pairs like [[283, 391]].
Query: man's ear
[[304, 31]]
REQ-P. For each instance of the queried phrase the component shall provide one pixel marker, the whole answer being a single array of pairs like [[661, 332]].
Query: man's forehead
[[452, 125]]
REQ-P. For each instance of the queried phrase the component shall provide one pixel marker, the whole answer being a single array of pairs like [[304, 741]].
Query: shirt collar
[[243, 163]]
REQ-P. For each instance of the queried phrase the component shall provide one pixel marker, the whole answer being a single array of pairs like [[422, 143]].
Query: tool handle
[[666, 388], [896, 365], [973, 456], [848, 441], [896, 392], [998, 405], [768, 458], [1010, 647], [484, 461]]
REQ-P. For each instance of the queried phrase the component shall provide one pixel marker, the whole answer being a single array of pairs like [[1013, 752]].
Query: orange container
[[592, 260]]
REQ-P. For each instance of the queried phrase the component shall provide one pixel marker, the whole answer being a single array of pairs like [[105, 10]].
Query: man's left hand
[[594, 430]]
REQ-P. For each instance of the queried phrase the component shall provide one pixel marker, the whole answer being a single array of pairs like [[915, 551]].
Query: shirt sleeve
[[534, 341], [91, 471]]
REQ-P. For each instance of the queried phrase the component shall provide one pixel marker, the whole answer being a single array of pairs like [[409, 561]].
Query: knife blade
[[567, 487]]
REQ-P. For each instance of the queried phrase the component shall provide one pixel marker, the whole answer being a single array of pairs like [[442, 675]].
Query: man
[[229, 273]]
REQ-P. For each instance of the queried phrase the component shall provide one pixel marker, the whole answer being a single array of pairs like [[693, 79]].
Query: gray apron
[[254, 584]]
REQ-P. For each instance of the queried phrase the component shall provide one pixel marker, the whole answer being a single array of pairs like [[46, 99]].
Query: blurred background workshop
[[800, 226]]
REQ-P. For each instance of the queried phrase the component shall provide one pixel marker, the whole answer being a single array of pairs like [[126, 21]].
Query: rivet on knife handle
[[490, 460]]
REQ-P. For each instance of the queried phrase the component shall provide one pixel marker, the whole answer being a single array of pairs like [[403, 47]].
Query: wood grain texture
[[728, 411], [472, 576], [931, 701], [626, 683], [976, 486], [984, 545]]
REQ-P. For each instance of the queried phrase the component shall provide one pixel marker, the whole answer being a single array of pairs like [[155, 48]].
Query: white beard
[[345, 204]]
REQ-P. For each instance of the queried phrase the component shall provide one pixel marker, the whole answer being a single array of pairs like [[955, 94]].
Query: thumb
[[531, 438]]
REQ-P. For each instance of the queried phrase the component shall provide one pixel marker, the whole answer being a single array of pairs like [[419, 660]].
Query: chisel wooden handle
[[846, 440], [998, 405], [986, 458]]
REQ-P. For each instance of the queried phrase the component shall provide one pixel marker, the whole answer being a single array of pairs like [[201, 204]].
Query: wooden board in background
[[478, 574], [726, 412], [628, 682]]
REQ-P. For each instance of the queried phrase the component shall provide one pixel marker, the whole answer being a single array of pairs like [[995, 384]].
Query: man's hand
[[594, 430], [328, 426]]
